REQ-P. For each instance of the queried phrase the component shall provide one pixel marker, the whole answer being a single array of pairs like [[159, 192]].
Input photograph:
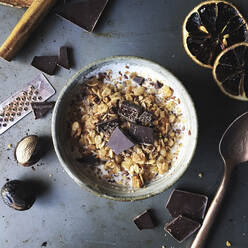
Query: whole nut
[[27, 150], [18, 195]]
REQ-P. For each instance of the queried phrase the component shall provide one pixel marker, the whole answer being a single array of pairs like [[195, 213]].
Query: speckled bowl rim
[[67, 169]]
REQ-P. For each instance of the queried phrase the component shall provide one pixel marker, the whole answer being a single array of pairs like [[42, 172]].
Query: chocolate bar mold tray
[[18, 105]]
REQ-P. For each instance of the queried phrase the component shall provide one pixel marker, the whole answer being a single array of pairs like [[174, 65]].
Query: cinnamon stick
[[26, 25]]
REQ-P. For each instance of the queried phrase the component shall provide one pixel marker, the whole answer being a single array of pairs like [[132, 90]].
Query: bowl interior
[[61, 133]]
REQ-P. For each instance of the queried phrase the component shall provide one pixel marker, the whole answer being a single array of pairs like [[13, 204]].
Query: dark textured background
[[67, 216]]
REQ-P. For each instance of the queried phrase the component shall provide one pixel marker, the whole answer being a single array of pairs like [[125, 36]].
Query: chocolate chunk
[[181, 228], [84, 14], [144, 221], [46, 64], [40, 109], [139, 80], [158, 85], [89, 159], [119, 142], [141, 134], [189, 204], [63, 58], [129, 111], [107, 127], [146, 118]]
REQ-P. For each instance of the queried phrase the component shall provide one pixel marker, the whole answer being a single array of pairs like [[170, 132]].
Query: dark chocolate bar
[[40, 109], [46, 64], [129, 111], [188, 204], [144, 221], [107, 127], [119, 142], [146, 118], [141, 134], [139, 80], [63, 58], [84, 14], [181, 228]]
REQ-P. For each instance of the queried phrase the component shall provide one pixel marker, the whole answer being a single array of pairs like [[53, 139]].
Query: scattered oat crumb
[[50, 175], [10, 145], [163, 246], [228, 244], [200, 175]]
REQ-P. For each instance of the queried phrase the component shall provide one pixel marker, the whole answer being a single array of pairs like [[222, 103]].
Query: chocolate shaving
[[158, 85], [146, 118], [107, 127], [129, 111]]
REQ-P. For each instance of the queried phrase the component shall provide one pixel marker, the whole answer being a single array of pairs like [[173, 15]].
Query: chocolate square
[[141, 134], [63, 58], [144, 221], [181, 228], [84, 14], [129, 111], [146, 118], [107, 127], [40, 109], [46, 64], [119, 142], [186, 203], [139, 80]]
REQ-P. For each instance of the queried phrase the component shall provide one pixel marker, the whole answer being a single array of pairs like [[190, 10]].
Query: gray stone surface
[[66, 215]]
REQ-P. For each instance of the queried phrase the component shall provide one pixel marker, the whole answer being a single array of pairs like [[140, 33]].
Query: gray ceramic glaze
[[62, 142]]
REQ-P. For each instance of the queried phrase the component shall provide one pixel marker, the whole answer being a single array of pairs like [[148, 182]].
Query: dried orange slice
[[231, 71], [211, 27]]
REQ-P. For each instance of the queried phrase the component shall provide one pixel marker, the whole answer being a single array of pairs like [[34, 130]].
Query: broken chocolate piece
[[189, 204], [139, 80], [89, 159], [129, 111], [107, 127], [181, 228], [40, 109], [119, 142], [46, 64], [141, 134], [146, 118], [158, 85], [84, 14], [144, 221], [63, 58]]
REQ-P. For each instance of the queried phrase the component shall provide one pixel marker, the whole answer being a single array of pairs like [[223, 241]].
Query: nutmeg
[[27, 150]]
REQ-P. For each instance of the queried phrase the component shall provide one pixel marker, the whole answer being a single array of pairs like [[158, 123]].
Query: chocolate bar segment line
[[186, 203]]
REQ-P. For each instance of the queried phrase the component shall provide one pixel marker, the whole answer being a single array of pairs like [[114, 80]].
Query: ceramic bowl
[[61, 139]]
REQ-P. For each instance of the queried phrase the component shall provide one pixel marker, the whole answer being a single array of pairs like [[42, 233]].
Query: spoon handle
[[202, 234]]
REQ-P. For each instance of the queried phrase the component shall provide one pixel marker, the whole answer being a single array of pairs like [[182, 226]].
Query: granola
[[96, 113]]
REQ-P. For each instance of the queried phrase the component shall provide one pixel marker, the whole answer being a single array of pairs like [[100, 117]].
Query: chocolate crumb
[[44, 244], [158, 85], [139, 80]]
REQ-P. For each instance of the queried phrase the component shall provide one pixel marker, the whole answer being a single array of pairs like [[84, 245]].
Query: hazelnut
[[27, 150]]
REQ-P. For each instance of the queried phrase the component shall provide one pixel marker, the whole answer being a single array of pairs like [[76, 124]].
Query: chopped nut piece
[[228, 244]]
